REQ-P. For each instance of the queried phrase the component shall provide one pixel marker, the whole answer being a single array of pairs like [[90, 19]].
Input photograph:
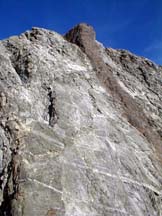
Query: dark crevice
[[21, 65], [19, 61], [11, 173], [11, 189], [51, 108], [5, 208], [23, 74], [144, 75]]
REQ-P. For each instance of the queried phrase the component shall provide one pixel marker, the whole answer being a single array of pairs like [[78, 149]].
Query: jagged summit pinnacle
[[81, 29], [81, 34]]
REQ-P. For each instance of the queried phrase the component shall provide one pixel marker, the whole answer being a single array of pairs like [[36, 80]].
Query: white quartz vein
[[45, 185], [121, 178]]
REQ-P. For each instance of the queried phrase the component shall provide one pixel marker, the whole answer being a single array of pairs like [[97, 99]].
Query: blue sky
[[135, 25]]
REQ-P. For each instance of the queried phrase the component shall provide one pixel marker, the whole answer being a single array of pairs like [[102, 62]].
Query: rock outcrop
[[80, 127]]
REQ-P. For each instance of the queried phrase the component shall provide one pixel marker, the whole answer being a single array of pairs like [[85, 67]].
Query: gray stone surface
[[67, 146]]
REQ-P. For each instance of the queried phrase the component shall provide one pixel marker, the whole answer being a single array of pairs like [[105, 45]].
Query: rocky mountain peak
[[80, 34], [80, 127]]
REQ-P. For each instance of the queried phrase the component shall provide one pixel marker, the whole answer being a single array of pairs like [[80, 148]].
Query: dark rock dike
[[80, 127], [84, 36]]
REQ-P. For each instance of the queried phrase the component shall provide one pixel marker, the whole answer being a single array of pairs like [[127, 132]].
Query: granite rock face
[[80, 127]]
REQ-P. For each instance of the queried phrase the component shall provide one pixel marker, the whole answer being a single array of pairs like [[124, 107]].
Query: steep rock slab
[[66, 147]]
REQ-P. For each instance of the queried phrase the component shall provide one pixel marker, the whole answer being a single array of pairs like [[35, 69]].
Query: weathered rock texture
[[80, 127]]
